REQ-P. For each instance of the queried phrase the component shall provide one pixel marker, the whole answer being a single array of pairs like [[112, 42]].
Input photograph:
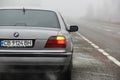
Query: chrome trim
[[32, 51], [49, 52]]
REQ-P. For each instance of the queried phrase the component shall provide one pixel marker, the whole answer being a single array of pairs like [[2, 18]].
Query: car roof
[[34, 8]]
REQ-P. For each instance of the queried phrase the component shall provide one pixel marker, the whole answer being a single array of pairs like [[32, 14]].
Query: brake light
[[56, 42]]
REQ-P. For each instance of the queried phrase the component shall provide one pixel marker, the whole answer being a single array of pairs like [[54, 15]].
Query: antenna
[[24, 10]]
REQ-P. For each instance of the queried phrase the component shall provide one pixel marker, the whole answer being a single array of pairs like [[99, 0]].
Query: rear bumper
[[35, 58]]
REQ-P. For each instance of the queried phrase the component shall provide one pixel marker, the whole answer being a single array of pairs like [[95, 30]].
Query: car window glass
[[34, 18]]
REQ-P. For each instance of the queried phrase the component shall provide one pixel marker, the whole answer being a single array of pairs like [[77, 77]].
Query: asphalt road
[[105, 35], [89, 62]]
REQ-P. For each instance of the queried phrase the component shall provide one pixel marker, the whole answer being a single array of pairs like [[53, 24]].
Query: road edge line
[[101, 50]]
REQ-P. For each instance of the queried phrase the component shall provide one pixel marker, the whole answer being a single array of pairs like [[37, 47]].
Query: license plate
[[16, 43]]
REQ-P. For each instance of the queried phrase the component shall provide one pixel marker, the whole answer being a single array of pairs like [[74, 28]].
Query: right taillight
[[56, 42]]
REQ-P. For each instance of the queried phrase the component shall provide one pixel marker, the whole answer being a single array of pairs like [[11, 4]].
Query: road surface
[[89, 62], [106, 36]]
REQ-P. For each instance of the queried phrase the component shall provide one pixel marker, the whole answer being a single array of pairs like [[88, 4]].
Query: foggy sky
[[108, 10]]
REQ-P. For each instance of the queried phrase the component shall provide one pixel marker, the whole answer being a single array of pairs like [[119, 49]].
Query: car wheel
[[68, 73]]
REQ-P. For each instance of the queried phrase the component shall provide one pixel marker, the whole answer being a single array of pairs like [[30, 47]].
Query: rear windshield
[[28, 17]]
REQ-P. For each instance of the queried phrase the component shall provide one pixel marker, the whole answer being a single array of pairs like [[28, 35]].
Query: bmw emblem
[[16, 34]]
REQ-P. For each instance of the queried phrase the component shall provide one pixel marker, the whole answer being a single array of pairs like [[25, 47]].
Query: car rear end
[[33, 40]]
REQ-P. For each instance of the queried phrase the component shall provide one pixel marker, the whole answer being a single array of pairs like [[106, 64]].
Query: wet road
[[89, 63], [105, 35]]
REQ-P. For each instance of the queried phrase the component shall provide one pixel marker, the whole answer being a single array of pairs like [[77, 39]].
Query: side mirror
[[73, 28]]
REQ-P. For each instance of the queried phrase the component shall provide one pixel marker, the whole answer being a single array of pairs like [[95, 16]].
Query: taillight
[[56, 42]]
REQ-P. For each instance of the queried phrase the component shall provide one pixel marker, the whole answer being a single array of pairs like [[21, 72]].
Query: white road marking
[[101, 50]]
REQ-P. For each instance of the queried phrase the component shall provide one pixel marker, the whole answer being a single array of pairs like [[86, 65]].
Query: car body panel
[[38, 54]]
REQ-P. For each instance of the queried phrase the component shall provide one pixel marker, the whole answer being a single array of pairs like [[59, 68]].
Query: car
[[38, 38]]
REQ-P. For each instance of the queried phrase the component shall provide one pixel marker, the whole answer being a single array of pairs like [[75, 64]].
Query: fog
[[105, 10]]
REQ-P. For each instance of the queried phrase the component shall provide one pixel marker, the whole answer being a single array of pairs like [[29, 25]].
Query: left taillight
[[56, 42]]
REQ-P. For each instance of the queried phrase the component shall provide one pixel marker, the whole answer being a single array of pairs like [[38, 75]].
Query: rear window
[[29, 17]]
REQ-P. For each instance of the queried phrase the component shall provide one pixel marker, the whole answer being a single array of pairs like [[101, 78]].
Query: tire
[[66, 75]]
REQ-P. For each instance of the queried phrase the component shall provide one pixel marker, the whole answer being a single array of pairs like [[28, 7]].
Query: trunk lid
[[39, 36]]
